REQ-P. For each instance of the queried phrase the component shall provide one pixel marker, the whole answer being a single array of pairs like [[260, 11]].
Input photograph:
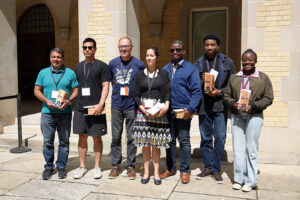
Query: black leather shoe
[[157, 182], [145, 180]]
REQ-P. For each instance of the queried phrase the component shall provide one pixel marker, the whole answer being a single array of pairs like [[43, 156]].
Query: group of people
[[157, 105]]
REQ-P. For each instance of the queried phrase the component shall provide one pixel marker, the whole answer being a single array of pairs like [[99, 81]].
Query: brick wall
[[273, 15], [169, 34], [99, 27]]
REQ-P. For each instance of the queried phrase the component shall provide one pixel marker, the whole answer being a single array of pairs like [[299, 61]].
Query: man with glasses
[[213, 112], [56, 117], [185, 96], [93, 78], [122, 70]]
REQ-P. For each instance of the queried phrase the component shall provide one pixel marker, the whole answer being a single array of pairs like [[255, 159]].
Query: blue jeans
[[245, 134], [50, 122], [213, 124], [179, 129]]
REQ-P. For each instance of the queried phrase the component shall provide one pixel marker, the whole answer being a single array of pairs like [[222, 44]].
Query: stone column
[[8, 61]]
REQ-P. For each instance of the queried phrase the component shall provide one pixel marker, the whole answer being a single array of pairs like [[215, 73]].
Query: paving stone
[[7, 156], [191, 196], [16, 198], [24, 165], [52, 190], [123, 186], [208, 186], [10, 179], [271, 195], [99, 196], [2, 191], [279, 183]]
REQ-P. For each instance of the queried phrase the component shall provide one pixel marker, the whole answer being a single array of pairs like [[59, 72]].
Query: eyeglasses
[[87, 47], [177, 50], [124, 46]]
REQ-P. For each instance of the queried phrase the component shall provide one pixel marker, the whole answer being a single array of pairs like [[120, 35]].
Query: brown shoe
[[114, 173], [166, 174], [185, 177], [131, 173]]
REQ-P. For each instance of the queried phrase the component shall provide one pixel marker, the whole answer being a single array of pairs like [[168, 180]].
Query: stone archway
[[36, 37]]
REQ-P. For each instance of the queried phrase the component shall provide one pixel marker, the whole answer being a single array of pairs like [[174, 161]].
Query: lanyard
[[124, 75], [150, 82], [86, 73], [56, 84], [245, 85], [214, 64]]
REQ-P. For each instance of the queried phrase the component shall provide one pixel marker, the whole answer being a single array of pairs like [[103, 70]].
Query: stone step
[[33, 119], [26, 129]]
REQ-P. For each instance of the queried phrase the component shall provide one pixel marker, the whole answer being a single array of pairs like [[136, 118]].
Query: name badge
[[149, 103], [54, 94], [124, 91], [86, 92]]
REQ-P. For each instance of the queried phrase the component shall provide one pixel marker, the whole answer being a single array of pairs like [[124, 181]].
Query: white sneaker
[[97, 173], [246, 188], [80, 172], [236, 186]]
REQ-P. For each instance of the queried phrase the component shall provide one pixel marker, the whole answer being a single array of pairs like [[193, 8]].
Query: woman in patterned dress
[[151, 131]]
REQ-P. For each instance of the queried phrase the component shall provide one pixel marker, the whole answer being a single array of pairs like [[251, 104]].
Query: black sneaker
[[62, 173], [204, 173], [218, 178], [47, 174]]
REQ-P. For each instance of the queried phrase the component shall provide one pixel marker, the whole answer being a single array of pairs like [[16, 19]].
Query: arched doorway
[[36, 37]]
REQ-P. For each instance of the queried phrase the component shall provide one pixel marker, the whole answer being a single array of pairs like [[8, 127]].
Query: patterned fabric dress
[[151, 132]]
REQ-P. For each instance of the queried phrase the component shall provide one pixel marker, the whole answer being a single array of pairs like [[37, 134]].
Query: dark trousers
[[179, 129], [117, 121]]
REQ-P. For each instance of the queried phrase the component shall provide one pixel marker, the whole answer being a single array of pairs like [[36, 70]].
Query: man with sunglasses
[[185, 95], [122, 70], [93, 78], [56, 117], [212, 111]]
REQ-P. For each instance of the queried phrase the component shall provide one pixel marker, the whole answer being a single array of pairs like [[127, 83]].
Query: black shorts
[[90, 124]]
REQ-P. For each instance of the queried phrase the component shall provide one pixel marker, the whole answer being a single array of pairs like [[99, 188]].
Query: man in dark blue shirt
[[122, 70], [185, 96]]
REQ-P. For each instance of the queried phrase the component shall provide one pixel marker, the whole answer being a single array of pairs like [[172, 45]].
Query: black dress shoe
[[47, 173], [157, 182], [145, 180], [62, 173]]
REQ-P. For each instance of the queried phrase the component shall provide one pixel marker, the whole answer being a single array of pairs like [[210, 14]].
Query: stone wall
[[8, 61]]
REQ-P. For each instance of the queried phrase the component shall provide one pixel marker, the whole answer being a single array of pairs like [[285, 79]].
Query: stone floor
[[20, 179]]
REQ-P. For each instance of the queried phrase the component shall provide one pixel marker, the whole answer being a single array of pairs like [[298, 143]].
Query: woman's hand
[[163, 110], [248, 109], [145, 111]]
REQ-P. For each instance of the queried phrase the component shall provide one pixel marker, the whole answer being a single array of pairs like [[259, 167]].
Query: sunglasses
[[177, 50], [87, 47]]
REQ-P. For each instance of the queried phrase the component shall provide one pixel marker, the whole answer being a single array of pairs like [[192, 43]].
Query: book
[[155, 109], [89, 110], [209, 82], [244, 99], [62, 95], [179, 113]]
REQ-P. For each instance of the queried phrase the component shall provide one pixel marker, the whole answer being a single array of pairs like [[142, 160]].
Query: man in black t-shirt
[[93, 79]]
